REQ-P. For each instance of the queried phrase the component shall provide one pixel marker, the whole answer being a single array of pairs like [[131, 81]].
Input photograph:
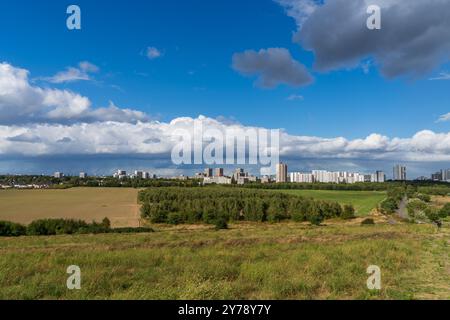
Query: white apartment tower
[[282, 173]]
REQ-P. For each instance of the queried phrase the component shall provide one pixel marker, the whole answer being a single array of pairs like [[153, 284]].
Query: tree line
[[106, 182], [50, 227], [209, 204]]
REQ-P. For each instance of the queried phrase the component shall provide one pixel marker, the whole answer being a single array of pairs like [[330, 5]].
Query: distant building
[[217, 180], [446, 175], [120, 174], [300, 177], [282, 173], [239, 174], [380, 177], [139, 174], [399, 173], [208, 172], [266, 179], [83, 175], [219, 172], [58, 175], [437, 176]]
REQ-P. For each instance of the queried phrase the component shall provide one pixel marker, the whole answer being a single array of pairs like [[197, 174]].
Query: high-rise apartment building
[[438, 176], [446, 175], [282, 173], [58, 175], [399, 173], [300, 177], [380, 177]]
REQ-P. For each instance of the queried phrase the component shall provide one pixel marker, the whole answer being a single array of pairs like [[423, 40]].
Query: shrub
[[349, 212], [132, 230], [368, 221], [315, 219], [445, 211], [432, 214], [424, 197], [221, 224], [174, 218], [388, 206], [10, 229], [49, 227]]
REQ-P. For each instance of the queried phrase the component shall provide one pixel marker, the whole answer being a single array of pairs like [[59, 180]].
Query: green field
[[249, 261], [118, 204], [363, 201]]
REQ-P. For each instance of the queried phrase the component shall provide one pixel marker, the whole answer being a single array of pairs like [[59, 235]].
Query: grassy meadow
[[118, 204], [249, 261], [363, 201]]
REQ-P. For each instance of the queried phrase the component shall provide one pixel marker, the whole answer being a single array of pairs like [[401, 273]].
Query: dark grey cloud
[[414, 38], [65, 140], [273, 67], [152, 141], [25, 137]]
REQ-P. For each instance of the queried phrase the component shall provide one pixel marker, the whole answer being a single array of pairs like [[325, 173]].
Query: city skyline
[[67, 104]]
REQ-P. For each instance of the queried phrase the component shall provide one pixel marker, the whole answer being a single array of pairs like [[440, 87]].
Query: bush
[[432, 214], [424, 197], [48, 227], [349, 212], [132, 230], [389, 206], [368, 221], [315, 219], [221, 224], [10, 229], [174, 218], [445, 211]]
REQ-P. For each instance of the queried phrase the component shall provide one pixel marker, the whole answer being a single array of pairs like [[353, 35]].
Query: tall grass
[[249, 261]]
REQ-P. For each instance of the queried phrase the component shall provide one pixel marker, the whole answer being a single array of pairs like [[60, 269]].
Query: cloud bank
[[49, 122]]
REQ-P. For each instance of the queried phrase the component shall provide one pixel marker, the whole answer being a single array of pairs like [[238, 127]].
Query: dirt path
[[402, 212]]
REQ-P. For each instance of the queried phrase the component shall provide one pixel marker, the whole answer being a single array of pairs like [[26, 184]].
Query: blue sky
[[195, 76]]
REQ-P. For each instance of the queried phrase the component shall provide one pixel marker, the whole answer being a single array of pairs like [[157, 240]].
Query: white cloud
[[155, 138], [444, 117], [72, 74], [38, 121], [21, 102], [153, 53], [442, 76], [295, 97]]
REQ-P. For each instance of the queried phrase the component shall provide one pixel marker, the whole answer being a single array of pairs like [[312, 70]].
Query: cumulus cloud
[[21, 102], [414, 38], [72, 74], [153, 53], [273, 67], [155, 138]]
